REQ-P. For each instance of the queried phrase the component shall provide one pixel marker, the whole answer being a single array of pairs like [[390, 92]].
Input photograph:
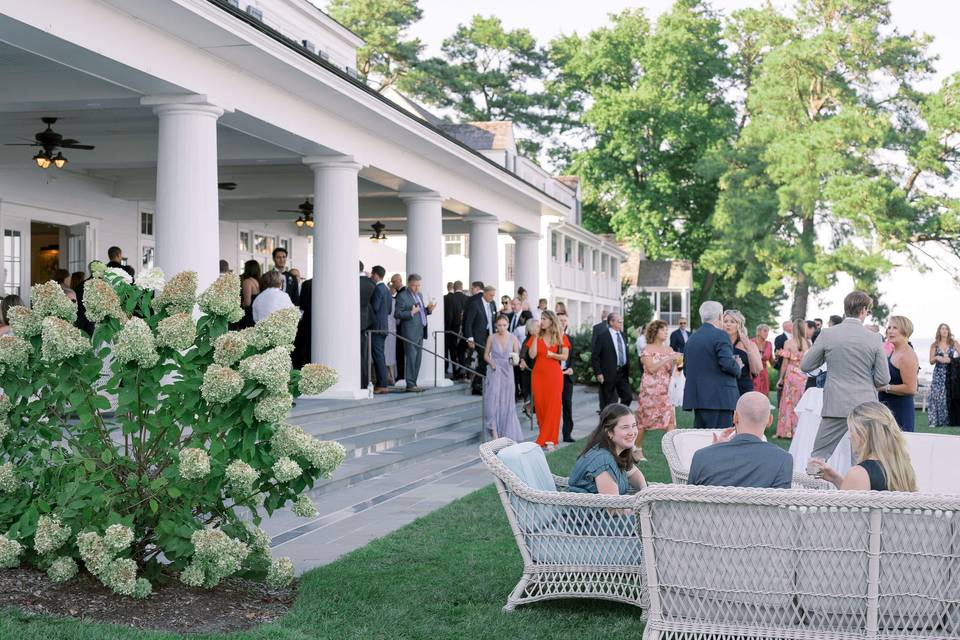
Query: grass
[[446, 575]]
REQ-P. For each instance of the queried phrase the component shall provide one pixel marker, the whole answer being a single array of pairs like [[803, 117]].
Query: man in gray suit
[[744, 459], [856, 368], [411, 314]]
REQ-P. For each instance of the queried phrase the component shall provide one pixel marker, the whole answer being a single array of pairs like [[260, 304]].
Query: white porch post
[[188, 217], [527, 265], [425, 257], [484, 251], [335, 323]]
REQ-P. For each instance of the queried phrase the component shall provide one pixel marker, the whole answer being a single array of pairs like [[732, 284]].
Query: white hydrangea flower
[[273, 407], [93, 552], [270, 369], [240, 478], [285, 470], [101, 301], [14, 351], [216, 555], [4, 427], [9, 482], [62, 569], [324, 455], [178, 295], [304, 507], [119, 273], [49, 300], [120, 576], [316, 378], [280, 573], [192, 576], [10, 551], [222, 298], [135, 343], [220, 384], [142, 589], [118, 537], [24, 322], [178, 332], [194, 463], [61, 340], [229, 348], [152, 279], [278, 329], [51, 534], [259, 541]]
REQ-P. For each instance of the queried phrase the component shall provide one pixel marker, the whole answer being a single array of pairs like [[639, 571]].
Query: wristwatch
[[886, 388]]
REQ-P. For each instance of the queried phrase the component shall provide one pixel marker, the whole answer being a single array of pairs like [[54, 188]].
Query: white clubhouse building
[[210, 116]]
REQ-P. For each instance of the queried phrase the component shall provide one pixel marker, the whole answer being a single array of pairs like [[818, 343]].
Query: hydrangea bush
[[154, 447]]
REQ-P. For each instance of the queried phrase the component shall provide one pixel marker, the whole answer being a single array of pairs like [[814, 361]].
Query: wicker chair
[[680, 445], [573, 545], [726, 563]]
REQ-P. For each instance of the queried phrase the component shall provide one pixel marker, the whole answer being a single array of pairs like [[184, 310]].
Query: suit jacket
[[475, 320], [302, 343], [517, 320], [597, 328], [453, 306], [409, 325], [367, 285], [291, 288], [677, 341], [744, 461], [856, 366], [380, 303], [711, 371], [604, 358], [778, 343]]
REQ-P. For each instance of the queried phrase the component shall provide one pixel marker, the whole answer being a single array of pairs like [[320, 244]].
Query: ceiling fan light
[[300, 221], [310, 223], [60, 161], [42, 160]]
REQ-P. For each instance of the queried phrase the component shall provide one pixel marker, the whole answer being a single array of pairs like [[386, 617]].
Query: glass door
[[16, 258]]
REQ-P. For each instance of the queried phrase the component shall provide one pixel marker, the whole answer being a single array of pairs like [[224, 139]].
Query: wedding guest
[[883, 461], [391, 345], [793, 381], [566, 368], [224, 267], [678, 339], [734, 325], [605, 465], [655, 411], [547, 379], [76, 280], [62, 278], [499, 400], [761, 381], [271, 298], [711, 371], [560, 307], [288, 284], [9, 301], [739, 456], [641, 340], [526, 365], [943, 350], [855, 368], [505, 307], [778, 343], [249, 289], [904, 365], [411, 313]]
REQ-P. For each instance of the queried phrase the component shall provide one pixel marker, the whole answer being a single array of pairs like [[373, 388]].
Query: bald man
[[739, 456]]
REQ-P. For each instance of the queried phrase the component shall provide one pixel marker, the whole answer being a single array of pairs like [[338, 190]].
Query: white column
[[527, 265], [425, 258], [335, 321], [187, 217], [484, 251]]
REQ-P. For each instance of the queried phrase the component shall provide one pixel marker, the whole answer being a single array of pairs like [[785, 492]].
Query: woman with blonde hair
[[548, 351], [904, 367], [792, 381], [655, 410], [942, 352], [735, 326], [881, 451]]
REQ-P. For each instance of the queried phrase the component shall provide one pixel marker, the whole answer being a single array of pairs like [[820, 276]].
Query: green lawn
[[446, 575]]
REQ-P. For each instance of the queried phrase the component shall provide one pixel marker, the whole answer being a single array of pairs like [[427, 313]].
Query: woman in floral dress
[[942, 352], [655, 410], [761, 381], [793, 381]]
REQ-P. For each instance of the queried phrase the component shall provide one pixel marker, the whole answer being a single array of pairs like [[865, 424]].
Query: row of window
[[601, 262]]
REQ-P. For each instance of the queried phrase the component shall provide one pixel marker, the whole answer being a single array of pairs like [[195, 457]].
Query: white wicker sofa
[[571, 544]]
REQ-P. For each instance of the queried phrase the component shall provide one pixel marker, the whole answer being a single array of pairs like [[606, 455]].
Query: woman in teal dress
[[606, 466]]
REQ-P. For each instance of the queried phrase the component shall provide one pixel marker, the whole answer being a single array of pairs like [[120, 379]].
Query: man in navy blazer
[[679, 338], [380, 305], [744, 459], [711, 370]]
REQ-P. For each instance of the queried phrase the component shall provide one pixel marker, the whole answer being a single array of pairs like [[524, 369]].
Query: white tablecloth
[[808, 414]]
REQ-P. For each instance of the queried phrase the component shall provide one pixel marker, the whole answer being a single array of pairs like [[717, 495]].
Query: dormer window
[[254, 13], [309, 46]]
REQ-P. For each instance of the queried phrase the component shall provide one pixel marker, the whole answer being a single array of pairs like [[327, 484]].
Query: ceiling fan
[[305, 211], [49, 142], [378, 232]]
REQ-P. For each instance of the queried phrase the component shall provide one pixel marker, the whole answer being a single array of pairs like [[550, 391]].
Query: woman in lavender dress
[[499, 393]]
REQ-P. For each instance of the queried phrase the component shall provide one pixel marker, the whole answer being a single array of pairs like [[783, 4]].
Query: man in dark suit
[[477, 326], [380, 304], [597, 328], [778, 343], [289, 284], [453, 305], [566, 367], [611, 363], [367, 285], [115, 261], [744, 459], [411, 314], [678, 339], [302, 343], [517, 321], [712, 370]]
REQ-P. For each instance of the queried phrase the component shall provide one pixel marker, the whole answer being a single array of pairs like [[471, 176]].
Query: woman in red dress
[[761, 381], [547, 380]]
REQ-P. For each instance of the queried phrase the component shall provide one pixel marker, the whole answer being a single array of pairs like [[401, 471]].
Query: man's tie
[[620, 359]]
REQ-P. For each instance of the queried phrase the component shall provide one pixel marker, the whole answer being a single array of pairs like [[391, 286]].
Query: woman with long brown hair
[[792, 380], [547, 379], [654, 410], [606, 465], [942, 353]]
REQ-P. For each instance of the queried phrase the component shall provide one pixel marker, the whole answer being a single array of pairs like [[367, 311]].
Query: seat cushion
[[934, 456], [527, 461], [689, 441]]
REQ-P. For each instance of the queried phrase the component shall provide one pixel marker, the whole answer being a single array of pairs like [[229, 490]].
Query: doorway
[[32, 251]]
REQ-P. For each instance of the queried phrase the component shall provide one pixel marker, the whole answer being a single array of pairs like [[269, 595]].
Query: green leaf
[[154, 505], [89, 465], [174, 492], [106, 456]]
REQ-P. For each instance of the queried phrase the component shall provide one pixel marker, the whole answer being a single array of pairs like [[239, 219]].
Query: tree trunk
[[801, 289]]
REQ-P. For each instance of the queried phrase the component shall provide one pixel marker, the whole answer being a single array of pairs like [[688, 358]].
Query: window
[[245, 242], [284, 243], [581, 255], [76, 245], [263, 244], [671, 307], [308, 46], [146, 223], [567, 251], [603, 263], [596, 261], [12, 261], [255, 13], [454, 245], [554, 245], [147, 259], [510, 256]]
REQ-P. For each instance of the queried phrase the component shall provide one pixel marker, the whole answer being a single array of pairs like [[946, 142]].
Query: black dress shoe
[[569, 440]]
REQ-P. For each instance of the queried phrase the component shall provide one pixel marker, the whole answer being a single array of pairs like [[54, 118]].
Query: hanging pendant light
[[378, 235], [59, 160]]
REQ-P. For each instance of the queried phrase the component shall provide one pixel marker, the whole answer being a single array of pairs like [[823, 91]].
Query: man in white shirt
[[271, 298]]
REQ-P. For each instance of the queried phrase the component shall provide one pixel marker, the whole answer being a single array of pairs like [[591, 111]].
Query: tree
[[388, 53], [813, 186], [488, 73]]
